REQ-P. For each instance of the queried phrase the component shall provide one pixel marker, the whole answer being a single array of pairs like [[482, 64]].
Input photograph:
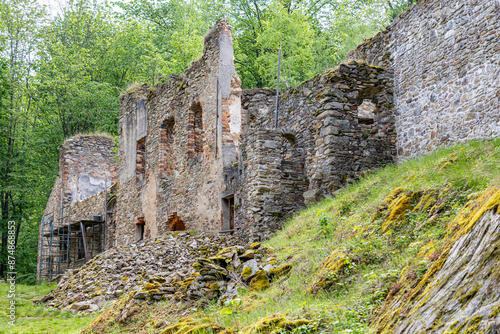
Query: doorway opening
[[139, 230], [228, 214]]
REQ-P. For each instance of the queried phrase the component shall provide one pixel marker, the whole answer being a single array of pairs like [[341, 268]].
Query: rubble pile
[[120, 270], [219, 277], [179, 267]]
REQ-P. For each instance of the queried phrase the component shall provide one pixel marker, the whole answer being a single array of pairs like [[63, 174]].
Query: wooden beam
[[84, 241]]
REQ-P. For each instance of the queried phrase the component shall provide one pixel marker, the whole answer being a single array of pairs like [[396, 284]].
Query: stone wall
[[330, 129], [344, 118], [446, 59], [190, 125], [88, 208]]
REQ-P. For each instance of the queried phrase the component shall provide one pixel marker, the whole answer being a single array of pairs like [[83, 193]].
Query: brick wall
[[190, 124]]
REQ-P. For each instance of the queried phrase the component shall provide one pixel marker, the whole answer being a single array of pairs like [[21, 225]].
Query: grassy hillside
[[35, 319], [371, 244]]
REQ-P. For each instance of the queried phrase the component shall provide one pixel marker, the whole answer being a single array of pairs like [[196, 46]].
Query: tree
[[293, 32], [176, 29], [20, 20]]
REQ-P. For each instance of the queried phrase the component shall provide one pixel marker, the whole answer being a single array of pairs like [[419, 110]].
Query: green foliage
[[313, 36], [61, 74], [175, 32], [324, 223], [397, 6], [295, 35]]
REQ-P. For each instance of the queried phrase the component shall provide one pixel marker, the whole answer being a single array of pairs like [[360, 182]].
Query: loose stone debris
[[180, 267]]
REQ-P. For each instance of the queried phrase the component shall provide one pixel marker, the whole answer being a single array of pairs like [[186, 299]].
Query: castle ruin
[[197, 152]]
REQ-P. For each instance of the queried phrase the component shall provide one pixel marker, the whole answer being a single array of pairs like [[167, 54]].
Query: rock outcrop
[[458, 294]]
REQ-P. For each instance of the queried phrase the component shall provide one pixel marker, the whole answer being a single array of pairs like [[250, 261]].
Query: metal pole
[[105, 213], [217, 118], [277, 90], [40, 252], [68, 243], [50, 250]]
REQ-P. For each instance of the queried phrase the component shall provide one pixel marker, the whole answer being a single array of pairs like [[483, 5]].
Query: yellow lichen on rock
[[246, 273], [397, 209], [255, 245], [281, 271], [193, 326], [425, 201], [418, 294]]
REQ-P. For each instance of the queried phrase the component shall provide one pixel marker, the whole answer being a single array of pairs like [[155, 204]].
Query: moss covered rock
[[455, 293], [255, 245], [260, 282], [274, 323], [281, 271]]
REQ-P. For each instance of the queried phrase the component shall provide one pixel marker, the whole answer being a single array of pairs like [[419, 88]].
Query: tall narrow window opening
[[140, 171], [228, 214], [292, 172], [139, 232], [166, 147], [195, 131]]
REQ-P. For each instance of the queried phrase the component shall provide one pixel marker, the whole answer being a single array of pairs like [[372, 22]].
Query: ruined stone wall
[[87, 167], [330, 129], [344, 118], [258, 107], [446, 58], [89, 207], [190, 127], [261, 211]]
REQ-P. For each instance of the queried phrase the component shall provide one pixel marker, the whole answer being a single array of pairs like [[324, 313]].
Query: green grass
[[36, 319], [383, 255], [349, 222]]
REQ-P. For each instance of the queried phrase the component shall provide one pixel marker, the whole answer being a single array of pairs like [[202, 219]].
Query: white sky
[[52, 5]]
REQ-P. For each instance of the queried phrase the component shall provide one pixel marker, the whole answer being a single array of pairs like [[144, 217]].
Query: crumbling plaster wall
[[446, 58], [87, 167], [190, 183]]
